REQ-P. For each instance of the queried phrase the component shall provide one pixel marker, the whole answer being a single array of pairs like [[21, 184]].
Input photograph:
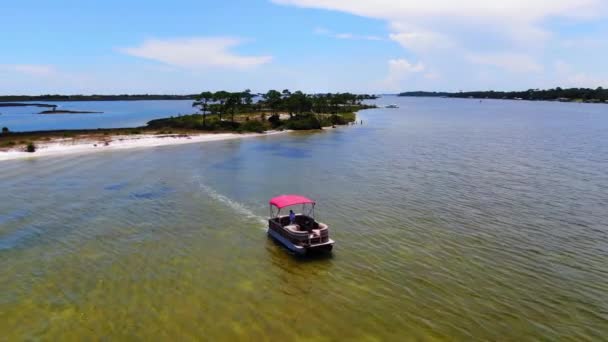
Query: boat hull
[[300, 250]]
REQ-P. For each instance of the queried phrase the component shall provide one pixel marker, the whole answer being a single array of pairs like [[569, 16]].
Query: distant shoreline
[[65, 111], [576, 95], [77, 98], [13, 104], [44, 105], [485, 98]]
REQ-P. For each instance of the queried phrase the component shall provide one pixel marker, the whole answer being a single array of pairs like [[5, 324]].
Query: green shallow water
[[454, 220]]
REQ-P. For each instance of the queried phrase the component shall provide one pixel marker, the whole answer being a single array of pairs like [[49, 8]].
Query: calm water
[[116, 114], [454, 219]]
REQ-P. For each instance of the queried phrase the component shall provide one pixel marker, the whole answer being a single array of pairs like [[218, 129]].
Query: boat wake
[[243, 210]]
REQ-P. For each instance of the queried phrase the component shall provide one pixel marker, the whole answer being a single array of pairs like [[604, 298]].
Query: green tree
[[221, 97], [202, 100], [234, 101], [273, 100], [335, 100], [319, 104], [248, 99], [298, 102]]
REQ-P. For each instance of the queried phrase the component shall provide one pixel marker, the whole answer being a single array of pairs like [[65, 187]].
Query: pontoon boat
[[304, 234]]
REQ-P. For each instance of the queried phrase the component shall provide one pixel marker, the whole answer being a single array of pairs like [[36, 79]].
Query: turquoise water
[[116, 114], [454, 220]]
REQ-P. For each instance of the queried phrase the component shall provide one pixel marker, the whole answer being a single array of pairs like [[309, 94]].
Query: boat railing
[[310, 237]]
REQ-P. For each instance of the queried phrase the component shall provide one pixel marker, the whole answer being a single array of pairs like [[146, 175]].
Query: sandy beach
[[60, 147]]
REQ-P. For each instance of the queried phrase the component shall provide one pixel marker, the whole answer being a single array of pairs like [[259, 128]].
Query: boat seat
[[293, 228]]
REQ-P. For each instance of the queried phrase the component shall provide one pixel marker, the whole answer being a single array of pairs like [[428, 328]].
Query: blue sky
[[185, 46]]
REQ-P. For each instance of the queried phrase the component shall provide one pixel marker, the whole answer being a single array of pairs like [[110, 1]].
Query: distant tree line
[[66, 98], [244, 111], [557, 94], [222, 103]]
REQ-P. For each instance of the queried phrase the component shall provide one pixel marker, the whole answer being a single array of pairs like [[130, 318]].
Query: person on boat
[[292, 217]]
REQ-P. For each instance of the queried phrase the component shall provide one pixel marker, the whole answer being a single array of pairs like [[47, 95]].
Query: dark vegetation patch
[[158, 192]]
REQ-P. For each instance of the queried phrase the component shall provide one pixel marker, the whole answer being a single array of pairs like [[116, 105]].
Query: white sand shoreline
[[61, 147]]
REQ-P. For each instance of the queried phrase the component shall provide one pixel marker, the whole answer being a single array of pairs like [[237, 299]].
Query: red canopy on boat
[[288, 200]]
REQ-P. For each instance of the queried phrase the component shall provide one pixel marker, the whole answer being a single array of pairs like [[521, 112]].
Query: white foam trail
[[232, 204]]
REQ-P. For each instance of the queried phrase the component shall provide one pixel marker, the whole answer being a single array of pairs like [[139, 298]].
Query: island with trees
[[237, 111], [598, 95], [222, 112]]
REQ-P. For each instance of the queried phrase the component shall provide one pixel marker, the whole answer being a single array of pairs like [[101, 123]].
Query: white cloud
[[513, 62], [471, 31], [399, 70], [36, 70], [344, 36], [322, 31], [432, 75], [421, 40], [585, 42], [392, 10], [527, 34], [195, 53], [325, 32], [402, 66], [517, 20], [567, 76]]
